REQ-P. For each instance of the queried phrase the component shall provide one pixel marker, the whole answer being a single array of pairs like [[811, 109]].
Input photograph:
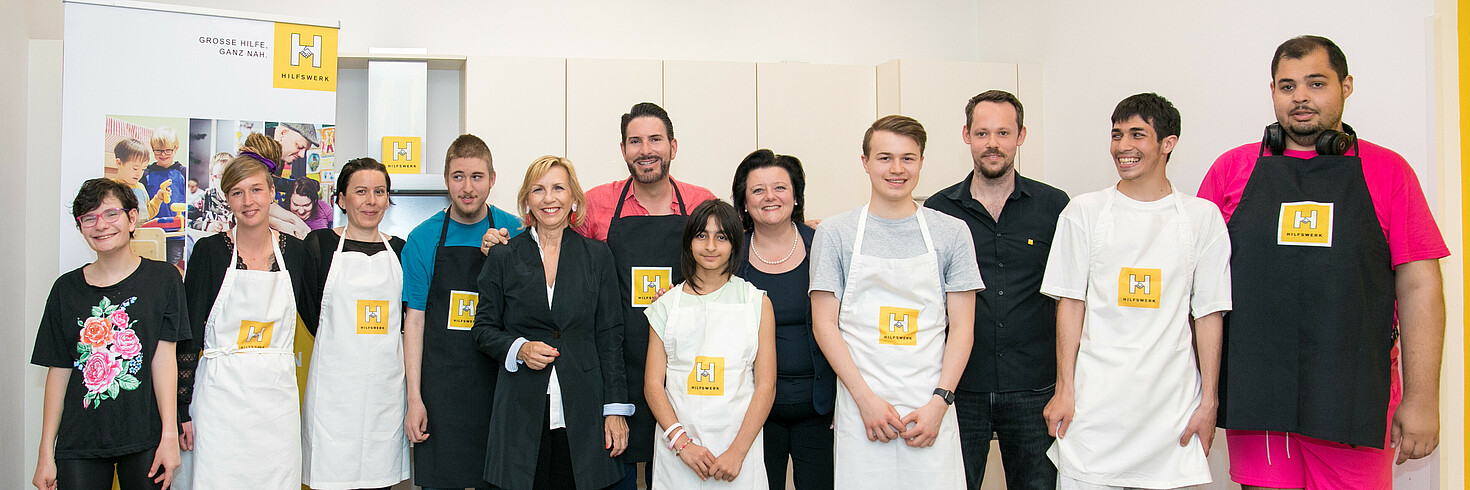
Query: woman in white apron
[[355, 393], [247, 285], [711, 375]]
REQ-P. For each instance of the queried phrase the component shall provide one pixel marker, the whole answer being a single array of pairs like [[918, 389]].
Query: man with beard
[[1334, 244], [1012, 369], [642, 219], [295, 140], [450, 383]]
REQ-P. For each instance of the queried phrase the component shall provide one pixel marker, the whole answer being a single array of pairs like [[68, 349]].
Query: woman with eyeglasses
[[107, 337], [245, 289]]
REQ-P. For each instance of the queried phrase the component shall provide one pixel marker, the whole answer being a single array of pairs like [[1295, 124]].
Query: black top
[[108, 335], [1015, 325], [802, 372], [584, 322], [322, 246], [203, 278]]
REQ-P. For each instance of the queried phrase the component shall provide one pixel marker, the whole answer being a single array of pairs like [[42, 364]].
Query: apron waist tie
[[213, 353]]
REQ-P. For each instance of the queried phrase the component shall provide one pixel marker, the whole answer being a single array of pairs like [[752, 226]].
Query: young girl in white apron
[[711, 374]]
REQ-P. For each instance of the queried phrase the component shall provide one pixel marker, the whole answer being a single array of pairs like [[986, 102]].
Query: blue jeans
[[1015, 418]]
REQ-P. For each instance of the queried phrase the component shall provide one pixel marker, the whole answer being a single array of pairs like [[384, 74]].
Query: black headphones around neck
[[1329, 141]]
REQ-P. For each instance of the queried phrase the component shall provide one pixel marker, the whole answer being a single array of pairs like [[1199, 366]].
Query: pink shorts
[[1284, 460]]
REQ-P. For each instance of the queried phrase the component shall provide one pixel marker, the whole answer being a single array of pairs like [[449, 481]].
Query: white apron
[[893, 320], [355, 394], [1136, 379], [246, 410], [710, 381]]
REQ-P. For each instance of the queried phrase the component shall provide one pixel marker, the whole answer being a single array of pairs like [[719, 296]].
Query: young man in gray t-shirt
[[887, 282]]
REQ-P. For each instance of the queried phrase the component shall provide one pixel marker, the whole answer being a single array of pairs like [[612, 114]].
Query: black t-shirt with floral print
[[107, 336]]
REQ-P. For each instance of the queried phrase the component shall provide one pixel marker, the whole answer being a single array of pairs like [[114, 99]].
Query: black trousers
[[1015, 417], [96, 473], [799, 432]]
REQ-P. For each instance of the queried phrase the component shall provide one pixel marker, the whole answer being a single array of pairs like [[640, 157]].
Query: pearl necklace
[[794, 242]]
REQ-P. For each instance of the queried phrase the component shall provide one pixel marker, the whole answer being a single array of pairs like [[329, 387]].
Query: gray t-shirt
[[894, 239]]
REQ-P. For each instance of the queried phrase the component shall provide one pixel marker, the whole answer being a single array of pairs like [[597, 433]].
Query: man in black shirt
[[1012, 369]]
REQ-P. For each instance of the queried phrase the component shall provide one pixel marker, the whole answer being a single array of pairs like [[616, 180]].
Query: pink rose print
[[119, 318], [96, 332], [125, 343], [99, 371]]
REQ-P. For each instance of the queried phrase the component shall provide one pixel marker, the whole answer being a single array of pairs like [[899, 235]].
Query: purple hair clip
[[266, 161]]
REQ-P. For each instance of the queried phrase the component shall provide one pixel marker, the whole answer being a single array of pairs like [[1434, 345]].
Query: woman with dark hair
[[107, 337], [549, 315], [355, 393], [711, 362], [305, 202], [245, 289], [768, 192]]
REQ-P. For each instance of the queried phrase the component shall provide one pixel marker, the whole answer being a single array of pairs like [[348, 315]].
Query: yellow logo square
[[255, 335], [1140, 288], [1305, 224], [708, 376], [372, 317], [403, 154], [305, 57], [898, 326], [462, 309], [647, 281]]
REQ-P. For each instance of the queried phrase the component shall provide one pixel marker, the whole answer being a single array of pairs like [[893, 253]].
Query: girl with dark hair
[[113, 323], [711, 362], [305, 202], [246, 288], [768, 192], [355, 392]]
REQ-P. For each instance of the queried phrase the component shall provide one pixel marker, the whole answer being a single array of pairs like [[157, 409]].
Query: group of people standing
[[1100, 339]]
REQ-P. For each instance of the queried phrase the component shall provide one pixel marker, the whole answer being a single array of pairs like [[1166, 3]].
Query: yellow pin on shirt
[[1030, 242]]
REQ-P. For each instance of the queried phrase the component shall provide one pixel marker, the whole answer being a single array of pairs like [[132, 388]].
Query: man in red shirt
[[642, 218], [1334, 253]]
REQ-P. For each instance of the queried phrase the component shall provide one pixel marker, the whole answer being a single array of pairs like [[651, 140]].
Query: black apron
[[1307, 346], [640, 244], [457, 382]]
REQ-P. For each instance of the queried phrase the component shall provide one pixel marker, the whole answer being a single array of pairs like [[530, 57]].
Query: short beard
[[983, 171], [1307, 136], [662, 174]]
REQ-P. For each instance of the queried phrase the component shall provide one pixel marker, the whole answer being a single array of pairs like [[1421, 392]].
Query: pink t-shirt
[[1397, 198], [602, 201]]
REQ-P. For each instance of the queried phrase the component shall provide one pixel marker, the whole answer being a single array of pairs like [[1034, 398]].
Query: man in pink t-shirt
[[1334, 253], [642, 218]]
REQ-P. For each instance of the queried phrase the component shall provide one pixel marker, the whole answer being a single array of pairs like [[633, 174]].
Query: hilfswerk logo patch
[[898, 326], [372, 317], [1306, 224], [254, 335], [708, 376], [646, 283], [462, 309], [305, 57], [1139, 288]]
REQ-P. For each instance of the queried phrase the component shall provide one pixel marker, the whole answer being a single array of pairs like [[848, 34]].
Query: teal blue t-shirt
[[423, 241]]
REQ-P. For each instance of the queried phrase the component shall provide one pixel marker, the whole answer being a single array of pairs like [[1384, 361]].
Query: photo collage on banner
[[173, 166]]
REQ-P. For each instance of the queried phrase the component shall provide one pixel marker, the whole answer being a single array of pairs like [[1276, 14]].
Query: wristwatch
[[946, 395]]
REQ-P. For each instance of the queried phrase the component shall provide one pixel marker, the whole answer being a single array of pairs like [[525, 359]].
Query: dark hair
[[648, 109], [1153, 109], [469, 146], [729, 222], [762, 159], [94, 191], [131, 149], [344, 175], [996, 96], [899, 125], [1299, 47], [310, 188]]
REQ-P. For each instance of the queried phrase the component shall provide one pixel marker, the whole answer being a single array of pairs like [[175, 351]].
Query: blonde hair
[[164, 137], [539, 169], [241, 168], [264, 146]]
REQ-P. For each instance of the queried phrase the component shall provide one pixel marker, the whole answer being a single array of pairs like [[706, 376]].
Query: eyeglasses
[[108, 215], [164, 152]]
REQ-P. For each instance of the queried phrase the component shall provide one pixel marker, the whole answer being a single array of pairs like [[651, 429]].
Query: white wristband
[[671, 429]]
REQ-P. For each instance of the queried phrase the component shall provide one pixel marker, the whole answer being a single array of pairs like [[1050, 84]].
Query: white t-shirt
[[1068, 265]]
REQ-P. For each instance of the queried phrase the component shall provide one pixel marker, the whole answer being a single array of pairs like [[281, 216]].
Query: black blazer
[[585, 326]]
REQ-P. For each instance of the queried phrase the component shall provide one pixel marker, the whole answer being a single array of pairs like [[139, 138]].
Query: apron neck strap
[[383, 237], [623, 197], [275, 249], [857, 246]]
